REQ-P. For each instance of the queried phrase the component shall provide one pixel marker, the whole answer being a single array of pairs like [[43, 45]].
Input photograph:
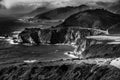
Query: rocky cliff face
[[71, 36], [113, 7]]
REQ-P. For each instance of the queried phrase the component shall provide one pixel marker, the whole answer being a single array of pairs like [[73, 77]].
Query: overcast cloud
[[29, 5], [52, 3]]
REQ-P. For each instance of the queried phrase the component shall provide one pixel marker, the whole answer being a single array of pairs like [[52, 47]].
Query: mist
[[26, 6], [52, 3]]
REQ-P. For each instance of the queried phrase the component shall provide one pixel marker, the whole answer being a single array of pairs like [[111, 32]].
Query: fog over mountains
[[61, 13], [26, 6]]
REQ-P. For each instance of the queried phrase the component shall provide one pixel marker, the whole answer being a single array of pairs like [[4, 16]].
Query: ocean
[[18, 52], [12, 52]]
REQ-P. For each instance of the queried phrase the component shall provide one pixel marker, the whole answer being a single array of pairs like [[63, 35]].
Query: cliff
[[73, 36]]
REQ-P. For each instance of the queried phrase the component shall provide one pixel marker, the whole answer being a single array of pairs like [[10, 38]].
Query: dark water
[[7, 29], [9, 26], [11, 52]]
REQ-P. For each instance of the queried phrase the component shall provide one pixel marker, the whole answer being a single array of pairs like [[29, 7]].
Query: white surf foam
[[30, 61], [71, 54], [2, 37], [116, 62], [10, 41]]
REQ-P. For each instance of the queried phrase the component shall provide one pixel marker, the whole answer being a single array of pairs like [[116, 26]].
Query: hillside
[[74, 30], [37, 11], [115, 29], [60, 70], [61, 13], [95, 18], [102, 51], [113, 7]]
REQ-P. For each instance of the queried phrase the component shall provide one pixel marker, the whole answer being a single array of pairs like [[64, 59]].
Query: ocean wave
[[71, 54], [2, 37], [30, 61]]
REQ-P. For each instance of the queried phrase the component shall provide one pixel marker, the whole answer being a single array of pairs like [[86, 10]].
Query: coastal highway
[[109, 39]]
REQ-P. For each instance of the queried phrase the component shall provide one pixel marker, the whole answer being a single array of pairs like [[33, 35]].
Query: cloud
[[50, 3], [25, 6], [12, 3]]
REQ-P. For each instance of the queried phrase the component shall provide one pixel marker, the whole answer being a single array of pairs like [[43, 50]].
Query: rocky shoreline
[[75, 37]]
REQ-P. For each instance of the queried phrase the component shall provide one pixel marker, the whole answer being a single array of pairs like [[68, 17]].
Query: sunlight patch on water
[[116, 62], [16, 32], [11, 41], [2, 37]]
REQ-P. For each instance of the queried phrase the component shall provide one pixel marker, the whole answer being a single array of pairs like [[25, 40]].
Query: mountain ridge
[[61, 13], [93, 18]]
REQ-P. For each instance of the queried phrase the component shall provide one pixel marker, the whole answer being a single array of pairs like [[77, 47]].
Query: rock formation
[[75, 37]]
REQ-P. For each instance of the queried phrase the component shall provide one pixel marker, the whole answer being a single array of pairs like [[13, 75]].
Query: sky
[[56, 3], [24, 6]]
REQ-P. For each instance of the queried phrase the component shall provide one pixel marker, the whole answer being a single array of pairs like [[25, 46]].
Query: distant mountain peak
[[92, 18], [62, 13]]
